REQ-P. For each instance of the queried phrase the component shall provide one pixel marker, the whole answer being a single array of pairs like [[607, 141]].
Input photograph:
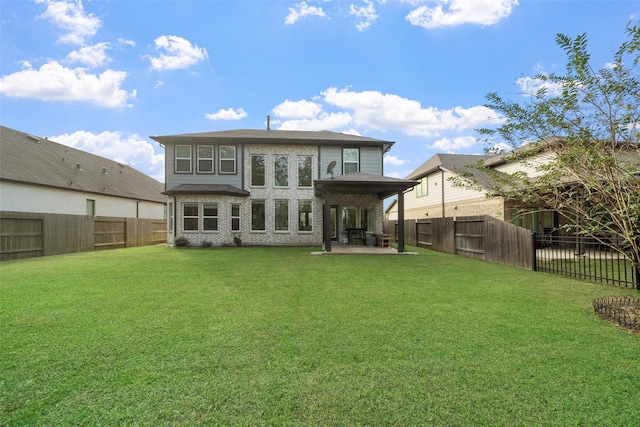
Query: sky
[[105, 75]]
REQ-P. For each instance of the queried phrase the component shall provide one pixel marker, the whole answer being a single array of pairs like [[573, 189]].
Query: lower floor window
[[305, 215], [257, 215], [282, 215], [210, 217], [190, 216], [235, 217]]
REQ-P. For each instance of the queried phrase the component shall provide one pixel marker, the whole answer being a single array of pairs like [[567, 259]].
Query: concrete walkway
[[337, 249]]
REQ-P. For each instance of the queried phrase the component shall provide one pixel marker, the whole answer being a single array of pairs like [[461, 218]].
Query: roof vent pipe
[[268, 122]]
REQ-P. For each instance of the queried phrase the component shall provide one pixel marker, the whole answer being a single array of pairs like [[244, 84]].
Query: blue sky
[[103, 76]]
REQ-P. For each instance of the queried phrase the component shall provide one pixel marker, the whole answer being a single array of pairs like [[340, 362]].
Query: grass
[[275, 336]]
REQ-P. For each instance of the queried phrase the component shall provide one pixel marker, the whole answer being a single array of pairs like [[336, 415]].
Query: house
[[275, 187], [437, 195], [41, 176]]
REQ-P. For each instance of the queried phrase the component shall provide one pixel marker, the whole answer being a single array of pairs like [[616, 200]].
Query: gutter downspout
[[442, 187]]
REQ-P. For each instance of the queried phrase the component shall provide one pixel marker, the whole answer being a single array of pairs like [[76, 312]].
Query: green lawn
[[275, 336]]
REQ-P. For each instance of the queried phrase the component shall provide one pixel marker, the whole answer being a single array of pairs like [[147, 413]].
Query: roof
[[263, 136], [220, 189], [363, 183], [29, 159], [459, 164]]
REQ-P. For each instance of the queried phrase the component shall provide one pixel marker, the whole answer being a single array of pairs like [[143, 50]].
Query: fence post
[[534, 239]]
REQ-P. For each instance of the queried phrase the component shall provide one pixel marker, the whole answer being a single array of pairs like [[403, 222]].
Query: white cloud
[[393, 160], [454, 144], [71, 17], [176, 53], [303, 10], [530, 86], [92, 56], [451, 13], [392, 112], [53, 82], [130, 149], [324, 121], [297, 109], [229, 114], [366, 14]]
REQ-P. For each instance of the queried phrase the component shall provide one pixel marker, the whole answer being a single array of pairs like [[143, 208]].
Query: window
[[349, 217], [190, 217], [170, 217], [421, 188], [235, 217], [227, 159], [280, 171], [304, 171], [210, 217], [91, 207], [350, 159], [257, 215], [367, 220], [282, 215], [183, 158], [257, 171], [305, 215], [205, 158]]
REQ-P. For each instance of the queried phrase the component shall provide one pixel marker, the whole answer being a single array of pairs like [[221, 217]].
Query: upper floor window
[[227, 159], [305, 171], [183, 158], [350, 160], [421, 188], [258, 171], [205, 158], [280, 171]]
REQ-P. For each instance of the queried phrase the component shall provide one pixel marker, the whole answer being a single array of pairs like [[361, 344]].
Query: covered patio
[[362, 183]]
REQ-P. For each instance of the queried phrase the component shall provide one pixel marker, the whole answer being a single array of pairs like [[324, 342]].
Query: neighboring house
[[436, 195], [273, 187], [41, 176]]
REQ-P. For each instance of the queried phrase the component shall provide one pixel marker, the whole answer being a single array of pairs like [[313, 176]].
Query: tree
[[587, 121]]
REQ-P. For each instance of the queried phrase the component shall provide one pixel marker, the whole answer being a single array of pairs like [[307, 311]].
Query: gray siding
[[370, 160], [174, 179]]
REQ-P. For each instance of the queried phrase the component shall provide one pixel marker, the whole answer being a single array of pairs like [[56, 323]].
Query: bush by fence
[[621, 310], [25, 235]]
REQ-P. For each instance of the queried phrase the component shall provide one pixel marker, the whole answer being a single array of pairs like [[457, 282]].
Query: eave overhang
[[215, 189], [362, 183]]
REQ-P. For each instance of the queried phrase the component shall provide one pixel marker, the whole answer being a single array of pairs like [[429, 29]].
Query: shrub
[[181, 241], [237, 240], [205, 243]]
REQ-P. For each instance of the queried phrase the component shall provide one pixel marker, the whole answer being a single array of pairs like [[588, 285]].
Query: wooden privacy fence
[[25, 235], [481, 237]]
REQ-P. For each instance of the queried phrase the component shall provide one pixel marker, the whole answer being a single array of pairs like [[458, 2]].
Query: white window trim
[[276, 156], [221, 159], [275, 216], [298, 172], [176, 158], [212, 158], [265, 171]]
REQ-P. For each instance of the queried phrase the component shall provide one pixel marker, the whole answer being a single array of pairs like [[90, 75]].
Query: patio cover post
[[400, 221], [327, 221]]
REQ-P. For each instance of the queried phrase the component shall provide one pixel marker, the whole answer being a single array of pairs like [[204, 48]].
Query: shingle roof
[[33, 160], [222, 189], [258, 136], [460, 164], [364, 183]]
